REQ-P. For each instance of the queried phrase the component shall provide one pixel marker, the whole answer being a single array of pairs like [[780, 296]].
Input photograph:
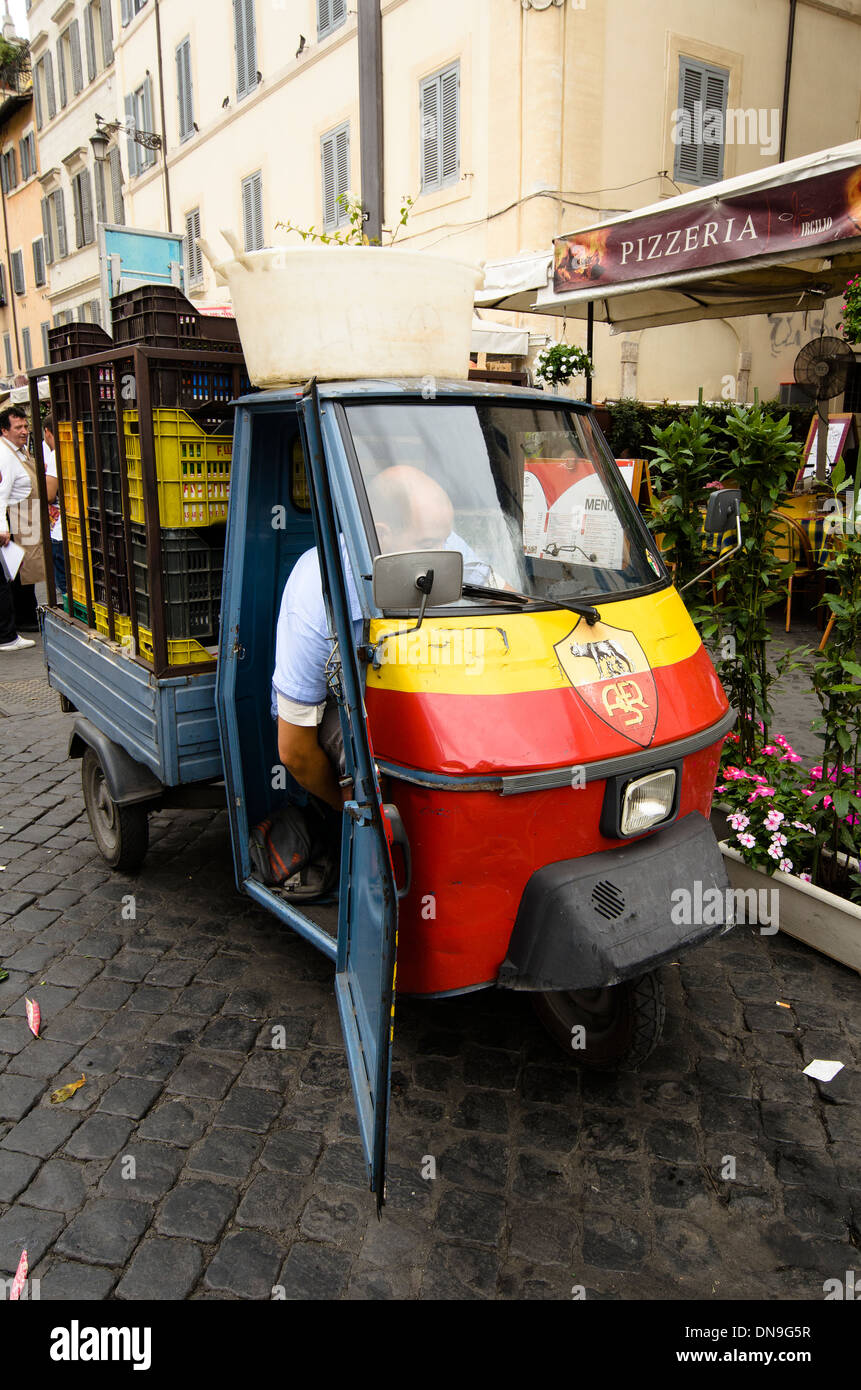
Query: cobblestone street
[[247, 1171]]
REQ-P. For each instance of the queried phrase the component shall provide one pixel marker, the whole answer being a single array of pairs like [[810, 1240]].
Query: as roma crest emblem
[[609, 671]]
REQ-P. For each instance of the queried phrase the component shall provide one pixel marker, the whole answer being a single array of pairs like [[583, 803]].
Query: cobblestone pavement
[[246, 1169]]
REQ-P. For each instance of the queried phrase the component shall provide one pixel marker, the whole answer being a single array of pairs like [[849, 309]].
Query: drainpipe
[[370, 34], [784, 115], [163, 123]]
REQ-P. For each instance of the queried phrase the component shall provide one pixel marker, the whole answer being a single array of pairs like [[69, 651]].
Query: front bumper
[[592, 922]]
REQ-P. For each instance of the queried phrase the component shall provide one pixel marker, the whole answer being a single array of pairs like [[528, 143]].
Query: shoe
[[17, 646]]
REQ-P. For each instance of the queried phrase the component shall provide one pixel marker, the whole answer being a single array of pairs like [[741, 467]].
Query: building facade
[[26, 311], [508, 122]]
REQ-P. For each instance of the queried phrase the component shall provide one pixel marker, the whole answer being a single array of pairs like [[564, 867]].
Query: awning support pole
[[590, 339]]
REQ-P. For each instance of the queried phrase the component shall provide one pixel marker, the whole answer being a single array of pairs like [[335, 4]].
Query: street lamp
[[105, 130]]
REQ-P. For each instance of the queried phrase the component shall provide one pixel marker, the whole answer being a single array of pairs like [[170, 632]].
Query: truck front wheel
[[607, 1029], [120, 832]]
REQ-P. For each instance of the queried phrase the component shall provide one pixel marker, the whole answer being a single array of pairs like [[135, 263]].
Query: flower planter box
[[342, 312], [825, 921]]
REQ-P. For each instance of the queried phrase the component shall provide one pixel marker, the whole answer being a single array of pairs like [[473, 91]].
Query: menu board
[[568, 514]]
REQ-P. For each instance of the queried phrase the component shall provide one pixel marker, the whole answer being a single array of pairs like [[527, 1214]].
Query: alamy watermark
[[704, 125]]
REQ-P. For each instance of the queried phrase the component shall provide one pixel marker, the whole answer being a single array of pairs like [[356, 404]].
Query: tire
[[121, 833], [623, 1024]]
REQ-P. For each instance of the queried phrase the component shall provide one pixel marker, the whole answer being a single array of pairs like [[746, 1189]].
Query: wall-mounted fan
[[822, 371]]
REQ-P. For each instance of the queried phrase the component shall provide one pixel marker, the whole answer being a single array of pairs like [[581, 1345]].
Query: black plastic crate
[[161, 316], [110, 462], [192, 567], [116, 576], [76, 383], [70, 340]]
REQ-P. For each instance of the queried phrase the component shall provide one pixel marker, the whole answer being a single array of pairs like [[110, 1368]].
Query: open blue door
[[368, 907]]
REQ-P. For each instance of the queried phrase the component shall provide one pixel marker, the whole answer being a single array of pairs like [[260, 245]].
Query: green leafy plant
[[837, 684], [351, 203], [557, 363], [762, 460], [14, 63], [687, 458]]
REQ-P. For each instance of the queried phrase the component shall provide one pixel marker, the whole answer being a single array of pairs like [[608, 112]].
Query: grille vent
[[608, 900]]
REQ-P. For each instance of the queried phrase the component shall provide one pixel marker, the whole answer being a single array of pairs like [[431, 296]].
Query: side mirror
[[409, 579], [723, 507]]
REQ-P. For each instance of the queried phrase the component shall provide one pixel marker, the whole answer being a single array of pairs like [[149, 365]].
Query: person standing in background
[[53, 487], [15, 488], [18, 495]]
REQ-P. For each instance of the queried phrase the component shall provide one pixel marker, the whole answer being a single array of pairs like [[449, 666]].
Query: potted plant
[[802, 828], [684, 464], [762, 460], [850, 321], [337, 307], [557, 363], [778, 823]]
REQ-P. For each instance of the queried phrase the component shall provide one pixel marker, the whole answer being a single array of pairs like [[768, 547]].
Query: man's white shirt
[[15, 484]]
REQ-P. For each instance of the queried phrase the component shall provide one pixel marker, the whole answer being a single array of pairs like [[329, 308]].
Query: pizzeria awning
[[782, 238]]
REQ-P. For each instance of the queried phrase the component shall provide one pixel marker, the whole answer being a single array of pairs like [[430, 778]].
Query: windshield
[[529, 494]]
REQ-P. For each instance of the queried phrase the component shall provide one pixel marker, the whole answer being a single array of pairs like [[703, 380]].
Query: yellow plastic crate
[[67, 465], [192, 469], [180, 651], [76, 560]]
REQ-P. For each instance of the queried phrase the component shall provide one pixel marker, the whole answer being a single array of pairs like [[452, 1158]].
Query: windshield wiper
[[583, 610]]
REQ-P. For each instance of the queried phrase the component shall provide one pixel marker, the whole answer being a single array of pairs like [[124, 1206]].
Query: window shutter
[[60, 213], [147, 157], [702, 90], [430, 134], [250, 45], [183, 88], [450, 106], [4, 173], [90, 42], [61, 73], [131, 147], [330, 207], [18, 283], [101, 196], [31, 145], [45, 353], [24, 152], [116, 167], [39, 276], [77, 67], [107, 32], [86, 207], [7, 347], [49, 86], [342, 155], [46, 231], [252, 211], [716, 88], [239, 45], [126, 11], [76, 209], [3, 295], [28, 351], [324, 17], [193, 256], [339, 11], [38, 79]]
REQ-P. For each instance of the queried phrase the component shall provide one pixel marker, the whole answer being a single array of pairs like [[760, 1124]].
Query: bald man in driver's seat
[[411, 512]]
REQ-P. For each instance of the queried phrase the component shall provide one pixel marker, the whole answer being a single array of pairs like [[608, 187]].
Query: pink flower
[[802, 825], [774, 851], [747, 840], [782, 741], [816, 771], [771, 748], [806, 877], [785, 865], [739, 821], [774, 818], [791, 757], [827, 801], [778, 839], [762, 791]]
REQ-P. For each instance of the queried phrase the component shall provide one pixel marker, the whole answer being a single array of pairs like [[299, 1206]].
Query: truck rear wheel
[[120, 832], [620, 1025]]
